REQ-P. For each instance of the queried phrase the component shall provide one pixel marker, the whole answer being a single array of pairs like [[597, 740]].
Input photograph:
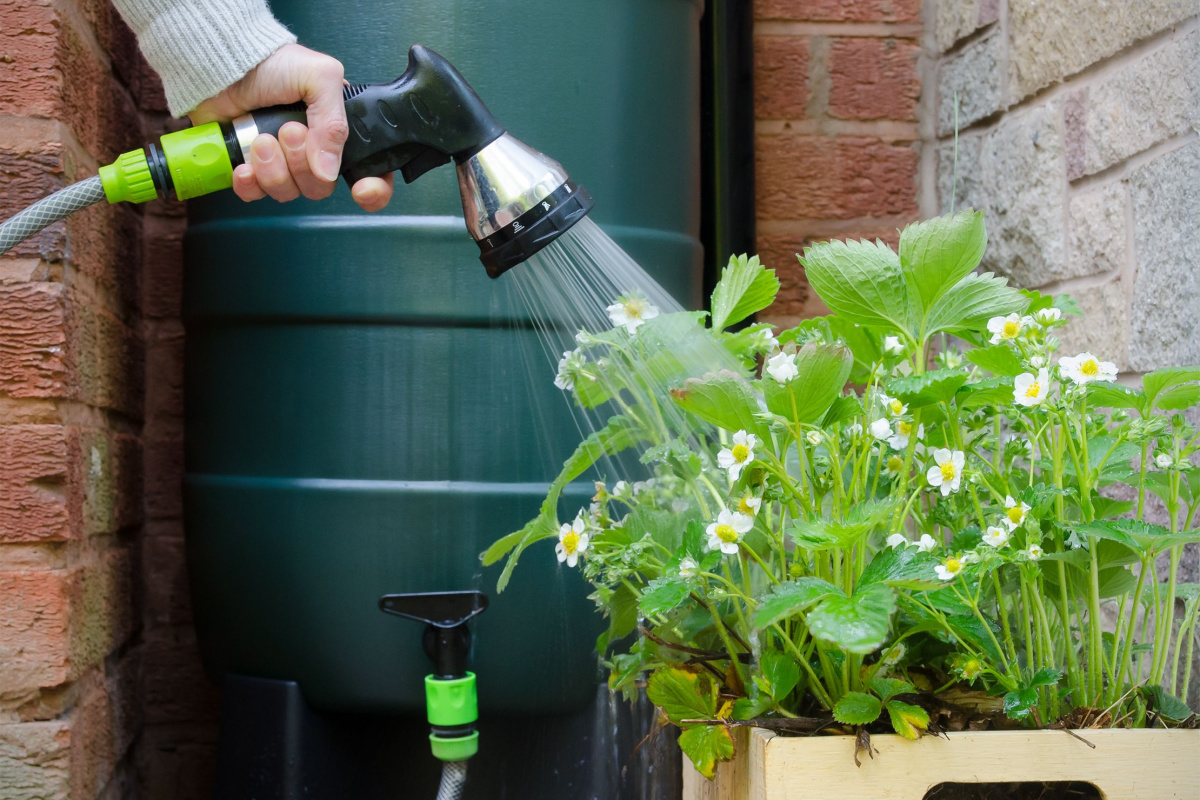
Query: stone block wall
[[97, 663], [837, 101], [1077, 132]]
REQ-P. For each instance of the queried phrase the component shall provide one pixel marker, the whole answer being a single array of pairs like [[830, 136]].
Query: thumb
[[327, 126]]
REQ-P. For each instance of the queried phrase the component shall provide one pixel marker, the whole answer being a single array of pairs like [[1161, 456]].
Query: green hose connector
[[128, 179], [198, 160], [452, 703]]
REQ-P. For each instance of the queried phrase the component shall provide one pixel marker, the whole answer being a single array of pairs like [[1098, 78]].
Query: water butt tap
[[450, 698], [515, 200]]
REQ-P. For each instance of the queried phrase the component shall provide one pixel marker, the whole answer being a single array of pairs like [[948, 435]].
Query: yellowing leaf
[[908, 720], [705, 745]]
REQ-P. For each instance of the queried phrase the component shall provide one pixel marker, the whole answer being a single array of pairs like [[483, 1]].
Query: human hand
[[304, 160]]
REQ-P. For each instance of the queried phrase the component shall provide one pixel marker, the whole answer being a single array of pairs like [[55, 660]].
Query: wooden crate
[[1124, 765]]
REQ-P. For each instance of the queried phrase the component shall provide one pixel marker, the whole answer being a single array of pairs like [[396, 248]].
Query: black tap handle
[[419, 121], [446, 639]]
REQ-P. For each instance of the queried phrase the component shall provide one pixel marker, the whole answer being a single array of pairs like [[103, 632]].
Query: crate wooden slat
[[1124, 765]]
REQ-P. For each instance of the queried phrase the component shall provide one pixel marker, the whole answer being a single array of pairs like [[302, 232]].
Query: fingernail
[[328, 165], [262, 148], [292, 136]]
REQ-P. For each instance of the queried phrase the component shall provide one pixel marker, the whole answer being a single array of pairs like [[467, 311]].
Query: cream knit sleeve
[[200, 47]]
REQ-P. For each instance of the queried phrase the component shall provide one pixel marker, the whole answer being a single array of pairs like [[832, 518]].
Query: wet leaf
[[902, 567], [683, 693], [723, 399], [1019, 704], [745, 288], [860, 281], [857, 708], [780, 673], [999, 359], [792, 597], [938, 386], [823, 370], [1160, 380], [705, 745], [887, 688], [663, 595], [857, 624]]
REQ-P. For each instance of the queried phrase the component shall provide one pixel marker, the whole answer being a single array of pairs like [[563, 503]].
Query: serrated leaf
[[683, 693], [540, 527], [1178, 398], [972, 302], [1019, 704], [706, 745], [938, 253], [859, 280], [996, 391], [722, 398], [843, 408], [857, 708], [1114, 395], [792, 597], [1045, 677], [902, 567], [908, 720], [887, 688], [744, 708], [826, 534], [999, 359], [1160, 380], [622, 614], [857, 624], [1166, 704], [1142, 537], [745, 287], [938, 386], [822, 372], [663, 595], [780, 673]]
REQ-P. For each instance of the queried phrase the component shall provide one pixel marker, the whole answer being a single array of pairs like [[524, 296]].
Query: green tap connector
[[452, 707], [191, 162]]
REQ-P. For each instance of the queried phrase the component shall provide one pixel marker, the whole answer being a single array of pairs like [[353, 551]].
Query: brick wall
[[99, 693], [1078, 134], [837, 137]]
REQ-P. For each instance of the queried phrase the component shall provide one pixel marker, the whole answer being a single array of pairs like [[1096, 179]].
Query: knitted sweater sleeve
[[199, 47]]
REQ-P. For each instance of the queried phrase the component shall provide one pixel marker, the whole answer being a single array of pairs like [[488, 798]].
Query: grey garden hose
[[454, 779], [48, 211]]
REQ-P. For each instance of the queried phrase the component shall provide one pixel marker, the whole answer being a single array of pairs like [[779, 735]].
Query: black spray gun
[[515, 199]]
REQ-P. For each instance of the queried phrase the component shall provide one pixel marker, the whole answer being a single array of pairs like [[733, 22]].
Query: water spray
[[515, 199]]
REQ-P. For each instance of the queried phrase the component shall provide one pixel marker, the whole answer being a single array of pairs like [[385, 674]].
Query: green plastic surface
[[128, 179], [451, 702], [361, 418], [198, 160], [457, 749]]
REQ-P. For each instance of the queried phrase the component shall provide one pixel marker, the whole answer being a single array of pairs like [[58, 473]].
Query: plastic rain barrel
[[358, 420]]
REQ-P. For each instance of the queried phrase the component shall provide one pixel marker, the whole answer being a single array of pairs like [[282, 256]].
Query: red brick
[[148, 89], [34, 497], [162, 282], [35, 760], [33, 330], [25, 178], [102, 612], [164, 478], [105, 245], [780, 77], [106, 359], [164, 381], [165, 576], [35, 629], [177, 761], [175, 686], [30, 79], [874, 78], [815, 177], [839, 10], [110, 476]]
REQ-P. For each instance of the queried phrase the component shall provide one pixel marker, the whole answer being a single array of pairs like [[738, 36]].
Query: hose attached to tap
[[49, 210], [454, 780]]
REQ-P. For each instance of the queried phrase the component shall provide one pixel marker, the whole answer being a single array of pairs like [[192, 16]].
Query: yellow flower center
[[1015, 515], [905, 428], [726, 533], [1090, 368], [1011, 329], [740, 453], [895, 463], [947, 470], [745, 507], [570, 543], [896, 406], [1034, 389], [953, 565]]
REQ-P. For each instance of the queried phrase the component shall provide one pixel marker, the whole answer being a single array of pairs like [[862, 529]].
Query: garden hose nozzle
[[451, 702], [515, 200]]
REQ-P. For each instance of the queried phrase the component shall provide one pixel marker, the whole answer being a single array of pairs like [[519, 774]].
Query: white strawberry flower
[[946, 473], [1048, 316], [894, 465], [572, 540], [765, 340], [892, 345], [1005, 329], [881, 429], [897, 540], [904, 429], [630, 311], [1033, 552], [893, 405], [996, 537], [727, 531], [948, 570], [814, 437], [620, 489], [1163, 460], [1014, 513], [855, 430], [749, 505], [688, 568], [1085, 368], [734, 459], [782, 367], [569, 367], [926, 543], [1029, 390]]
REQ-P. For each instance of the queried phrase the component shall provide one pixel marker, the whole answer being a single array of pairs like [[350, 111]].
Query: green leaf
[[938, 386], [1179, 397], [842, 409], [663, 595], [972, 302], [683, 693], [540, 527], [999, 359], [827, 534], [722, 398], [744, 708], [1166, 704], [791, 598], [938, 253], [1141, 537], [1045, 677], [745, 287], [1114, 395], [705, 745], [619, 433], [987, 392], [887, 688], [1160, 380], [857, 624], [1019, 704], [857, 708], [822, 373], [908, 720], [902, 567], [780, 674], [860, 281]]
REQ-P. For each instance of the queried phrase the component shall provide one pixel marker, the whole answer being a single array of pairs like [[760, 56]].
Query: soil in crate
[[1059, 790]]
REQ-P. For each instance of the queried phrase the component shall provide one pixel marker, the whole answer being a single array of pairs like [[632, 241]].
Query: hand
[[305, 160]]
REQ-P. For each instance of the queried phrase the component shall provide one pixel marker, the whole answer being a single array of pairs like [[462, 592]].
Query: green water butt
[[361, 418]]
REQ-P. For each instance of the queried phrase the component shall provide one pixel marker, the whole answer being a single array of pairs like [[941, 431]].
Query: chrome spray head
[[516, 201]]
